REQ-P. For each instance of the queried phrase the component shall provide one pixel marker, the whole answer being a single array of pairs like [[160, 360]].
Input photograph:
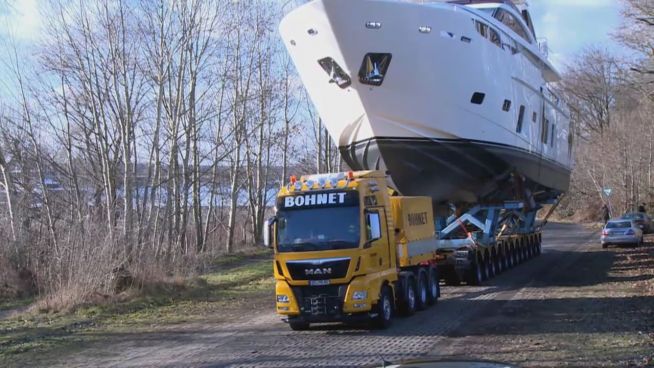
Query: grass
[[8, 304], [236, 282]]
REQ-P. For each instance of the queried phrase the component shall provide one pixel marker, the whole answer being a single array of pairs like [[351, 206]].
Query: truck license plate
[[318, 282]]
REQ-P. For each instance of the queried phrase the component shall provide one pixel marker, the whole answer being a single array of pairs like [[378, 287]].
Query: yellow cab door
[[375, 255]]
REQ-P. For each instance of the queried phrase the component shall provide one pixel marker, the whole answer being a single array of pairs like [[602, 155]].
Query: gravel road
[[561, 309]]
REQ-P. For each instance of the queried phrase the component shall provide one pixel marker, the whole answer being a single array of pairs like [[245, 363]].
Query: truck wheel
[[423, 291], [298, 325], [433, 286], [409, 297], [383, 309]]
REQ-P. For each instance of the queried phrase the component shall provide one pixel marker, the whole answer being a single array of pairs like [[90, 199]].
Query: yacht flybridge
[[451, 97]]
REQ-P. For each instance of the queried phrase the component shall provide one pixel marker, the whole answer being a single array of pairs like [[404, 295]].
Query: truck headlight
[[360, 295], [282, 299]]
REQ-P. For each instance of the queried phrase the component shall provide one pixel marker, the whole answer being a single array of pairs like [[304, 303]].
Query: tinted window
[[488, 33], [335, 72], [553, 134], [512, 22], [521, 117], [373, 68], [545, 131], [318, 229], [618, 225]]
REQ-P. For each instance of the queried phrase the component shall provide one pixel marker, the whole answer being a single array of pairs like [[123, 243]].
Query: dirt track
[[575, 305]]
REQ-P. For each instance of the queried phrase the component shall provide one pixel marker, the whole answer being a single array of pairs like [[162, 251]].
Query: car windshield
[[630, 216], [318, 229], [618, 225]]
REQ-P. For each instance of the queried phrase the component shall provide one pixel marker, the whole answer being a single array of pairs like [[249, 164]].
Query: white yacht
[[448, 96]]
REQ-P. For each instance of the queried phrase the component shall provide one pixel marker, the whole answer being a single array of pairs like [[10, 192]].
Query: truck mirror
[[268, 231]]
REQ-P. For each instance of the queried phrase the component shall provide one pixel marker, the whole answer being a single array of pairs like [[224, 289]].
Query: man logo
[[317, 271]]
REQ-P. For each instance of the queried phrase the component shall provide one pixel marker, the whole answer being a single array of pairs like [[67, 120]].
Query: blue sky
[[572, 25], [568, 25]]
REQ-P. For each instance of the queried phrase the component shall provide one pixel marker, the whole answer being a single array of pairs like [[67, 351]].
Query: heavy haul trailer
[[498, 234], [495, 242], [348, 249]]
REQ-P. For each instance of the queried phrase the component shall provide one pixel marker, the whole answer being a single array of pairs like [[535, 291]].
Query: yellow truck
[[349, 248]]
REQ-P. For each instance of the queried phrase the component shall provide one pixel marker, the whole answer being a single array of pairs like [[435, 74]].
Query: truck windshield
[[318, 229]]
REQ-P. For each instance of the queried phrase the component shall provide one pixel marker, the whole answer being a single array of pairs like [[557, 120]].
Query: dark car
[[642, 220]]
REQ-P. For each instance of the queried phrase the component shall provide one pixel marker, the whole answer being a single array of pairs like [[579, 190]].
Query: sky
[[568, 25]]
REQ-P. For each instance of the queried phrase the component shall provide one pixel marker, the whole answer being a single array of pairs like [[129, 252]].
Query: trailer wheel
[[433, 286], [383, 309], [298, 325], [499, 261], [423, 291], [475, 274], [491, 269], [408, 301]]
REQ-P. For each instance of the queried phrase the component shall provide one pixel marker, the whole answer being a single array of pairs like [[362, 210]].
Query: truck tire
[[408, 299], [383, 309], [298, 325], [422, 288], [433, 286]]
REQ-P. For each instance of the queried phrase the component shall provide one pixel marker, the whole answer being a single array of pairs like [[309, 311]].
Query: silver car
[[621, 232]]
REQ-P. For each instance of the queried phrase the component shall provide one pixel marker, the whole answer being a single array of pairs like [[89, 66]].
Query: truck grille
[[318, 269], [320, 301]]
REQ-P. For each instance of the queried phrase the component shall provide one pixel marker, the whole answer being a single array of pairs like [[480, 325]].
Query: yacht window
[[335, 72], [553, 134], [506, 106], [488, 33], [494, 37], [545, 131], [510, 45], [477, 98], [521, 117], [482, 28], [571, 139], [512, 22], [534, 117], [373, 68]]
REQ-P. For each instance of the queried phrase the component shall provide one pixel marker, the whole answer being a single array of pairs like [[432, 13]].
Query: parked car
[[621, 232], [641, 219]]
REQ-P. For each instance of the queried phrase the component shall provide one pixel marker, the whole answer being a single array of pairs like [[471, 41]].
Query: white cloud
[[21, 19]]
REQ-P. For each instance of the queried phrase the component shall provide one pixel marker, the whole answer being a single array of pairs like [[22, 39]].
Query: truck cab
[[336, 251]]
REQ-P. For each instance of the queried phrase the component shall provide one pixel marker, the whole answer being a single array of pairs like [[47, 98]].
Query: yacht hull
[[455, 170]]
